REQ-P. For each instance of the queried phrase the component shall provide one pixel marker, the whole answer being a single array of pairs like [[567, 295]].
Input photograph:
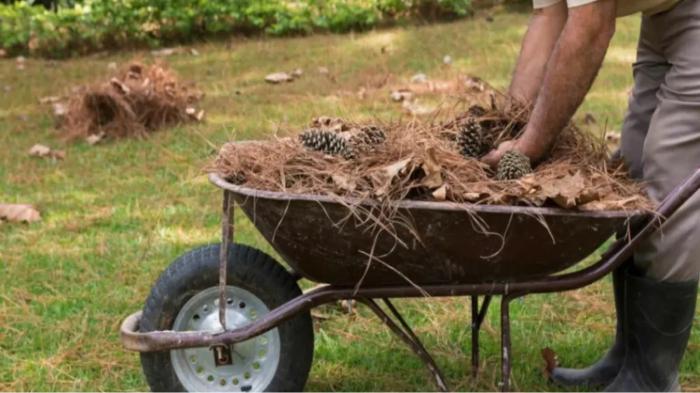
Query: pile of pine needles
[[135, 101], [420, 161]]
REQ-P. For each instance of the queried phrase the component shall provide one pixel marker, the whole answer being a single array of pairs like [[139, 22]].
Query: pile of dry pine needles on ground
[[136, 100], [427, 161]]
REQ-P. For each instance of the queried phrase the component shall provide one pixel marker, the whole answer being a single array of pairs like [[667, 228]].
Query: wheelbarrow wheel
[[185, 297]]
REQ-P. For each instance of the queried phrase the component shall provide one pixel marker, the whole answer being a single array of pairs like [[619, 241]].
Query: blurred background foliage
[[61, 28]]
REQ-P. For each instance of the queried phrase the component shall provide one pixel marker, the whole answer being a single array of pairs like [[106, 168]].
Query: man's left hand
[[495, 155]]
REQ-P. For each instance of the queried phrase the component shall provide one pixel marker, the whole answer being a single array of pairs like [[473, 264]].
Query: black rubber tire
[[248, 268]]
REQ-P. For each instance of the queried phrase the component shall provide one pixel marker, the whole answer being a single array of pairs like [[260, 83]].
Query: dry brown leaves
[[419, 160], [136, 100], [43, 151], [18, 213]]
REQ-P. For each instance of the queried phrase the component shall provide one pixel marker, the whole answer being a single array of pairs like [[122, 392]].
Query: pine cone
[[368, 137], [327, 142], [513, 165], [470, 140]]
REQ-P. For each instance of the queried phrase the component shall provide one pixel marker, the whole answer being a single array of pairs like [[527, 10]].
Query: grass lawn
[[115, 215]]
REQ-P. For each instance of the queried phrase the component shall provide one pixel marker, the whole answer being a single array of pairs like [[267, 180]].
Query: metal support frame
[[616, 255], [478, 316], [405, 333], [226, 239]]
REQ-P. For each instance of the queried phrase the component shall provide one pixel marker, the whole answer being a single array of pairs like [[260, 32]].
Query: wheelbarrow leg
[[505, 342], [406, 334], [226, 239], [478, 316]]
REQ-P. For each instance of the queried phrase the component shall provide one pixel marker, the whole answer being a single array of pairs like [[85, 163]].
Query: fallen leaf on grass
[[419, 78], [94, 139], [401, 95], [550, 359], [49, 100], [278, 77], [19, 213], [297, 73], [474, 84], [416, 109], [194, 113], [589, 119], [59, 109], [348, 306], [43, 151], [319, 316], [20, 63], [165, 52]]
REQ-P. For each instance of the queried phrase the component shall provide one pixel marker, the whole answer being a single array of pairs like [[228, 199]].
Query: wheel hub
[[245, 366]]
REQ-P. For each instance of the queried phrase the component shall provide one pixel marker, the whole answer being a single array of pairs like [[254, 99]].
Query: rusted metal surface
[[452, 247]]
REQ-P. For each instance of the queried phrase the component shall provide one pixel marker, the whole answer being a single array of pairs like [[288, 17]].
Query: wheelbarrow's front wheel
[[186, 297]]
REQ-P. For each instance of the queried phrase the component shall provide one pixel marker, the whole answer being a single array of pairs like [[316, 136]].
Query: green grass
[[115, 215]]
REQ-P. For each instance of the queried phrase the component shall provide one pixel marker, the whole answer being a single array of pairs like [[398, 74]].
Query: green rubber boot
[[659, 319], [606, 369]]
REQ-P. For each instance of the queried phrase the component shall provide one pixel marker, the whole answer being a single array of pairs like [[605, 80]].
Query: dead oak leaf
[[550, 360], [19, 213], [388, 173], [344, 182], [39, 150], [50, 100], [564, 191], [278, 77], [432, 169], [441, 193], [94, 139]]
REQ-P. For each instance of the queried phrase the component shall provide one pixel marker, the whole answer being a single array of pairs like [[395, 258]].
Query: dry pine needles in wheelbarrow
[[436, 161]]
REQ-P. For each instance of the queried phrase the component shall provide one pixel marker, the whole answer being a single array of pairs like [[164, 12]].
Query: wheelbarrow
[[228, 317]]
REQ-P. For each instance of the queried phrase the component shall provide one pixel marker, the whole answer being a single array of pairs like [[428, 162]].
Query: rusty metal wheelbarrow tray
[[437, 243], [524, 251]]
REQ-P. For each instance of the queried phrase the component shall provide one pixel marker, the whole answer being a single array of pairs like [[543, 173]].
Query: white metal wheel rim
[[255, 361]]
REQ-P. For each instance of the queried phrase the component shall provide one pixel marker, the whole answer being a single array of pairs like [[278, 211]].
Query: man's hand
[[570, 71], [495, 155]]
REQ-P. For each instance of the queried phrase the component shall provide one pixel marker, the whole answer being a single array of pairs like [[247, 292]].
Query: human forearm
[[571, 70], [542, 34]]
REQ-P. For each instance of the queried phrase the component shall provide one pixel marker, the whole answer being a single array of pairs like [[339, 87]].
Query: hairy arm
[[543, 31], [570, 71]]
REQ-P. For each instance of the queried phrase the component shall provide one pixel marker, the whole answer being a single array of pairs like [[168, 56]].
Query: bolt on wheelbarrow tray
[[436, 243]]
